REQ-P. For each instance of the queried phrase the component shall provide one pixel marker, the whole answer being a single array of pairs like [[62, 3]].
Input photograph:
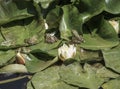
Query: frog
[[76, 38], [50, 37]]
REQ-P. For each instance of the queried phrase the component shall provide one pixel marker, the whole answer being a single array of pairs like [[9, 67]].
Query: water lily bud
[[46, 25], [66, 52], [115, 25], [20, 59]]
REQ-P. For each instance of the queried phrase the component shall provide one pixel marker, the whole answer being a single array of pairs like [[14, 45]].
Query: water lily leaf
[[60, 85], [11, 36], [101, 36], [29, 30], [38, 64], [87, 55], [75, 75], [112, 84], [106, 73], [69, 21], [89, 8], [41, 79], [112, 6], [11, 10], [44, 3], [77, 19], [112, 58], [29, 85], [49, 79], [53, 18], [35, 29], [73, 19], [51, 49], [13, 68], [5, 56]]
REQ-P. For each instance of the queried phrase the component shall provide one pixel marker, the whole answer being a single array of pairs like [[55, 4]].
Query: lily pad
[[13, 68], [49, 79], [69, 21], [102, 36], [29, 30], [113, 84], [113, 6], [38, 64], [44, 3], [29, 85], [53, 17], [14, 10], [89, 9], [112, 58], [87, 55], [6, 56], [75, 75]]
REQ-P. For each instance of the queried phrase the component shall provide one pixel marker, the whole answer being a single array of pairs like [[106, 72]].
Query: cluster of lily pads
[[64, 44]]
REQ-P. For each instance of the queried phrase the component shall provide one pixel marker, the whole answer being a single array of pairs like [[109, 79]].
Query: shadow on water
[[18, 84]]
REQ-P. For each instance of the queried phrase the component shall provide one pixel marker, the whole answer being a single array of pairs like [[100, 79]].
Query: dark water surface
[[18, 84]]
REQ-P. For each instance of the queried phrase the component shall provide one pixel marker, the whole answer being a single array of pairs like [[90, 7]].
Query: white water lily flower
[[66, 52], [115, 25]]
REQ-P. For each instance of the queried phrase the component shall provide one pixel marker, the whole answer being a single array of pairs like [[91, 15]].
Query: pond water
[[18, 84]]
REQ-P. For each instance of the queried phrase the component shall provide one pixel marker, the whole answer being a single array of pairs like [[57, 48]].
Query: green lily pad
[[75, 75], [49, 79], [112, 58], [112, 6], [46, 47], [29, 85], [87, 55], [53, 17], [90, 8], [112, 84], [44, 3], [69, 21], [13, 68], [34, 64], [6, 56], [101, 36], [20, 33], [14, 10]]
